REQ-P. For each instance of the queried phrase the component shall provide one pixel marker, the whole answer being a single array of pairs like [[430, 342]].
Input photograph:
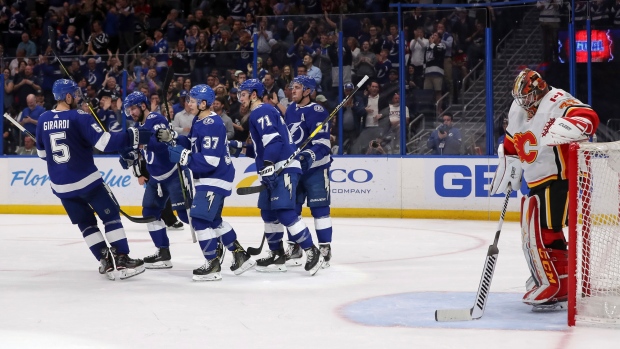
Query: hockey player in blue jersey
[[272, 146], [65, 140], [302, 117], [205, 152], [164, 180]]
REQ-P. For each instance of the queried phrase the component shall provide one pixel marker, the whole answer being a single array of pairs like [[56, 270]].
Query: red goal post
[[594, 234]]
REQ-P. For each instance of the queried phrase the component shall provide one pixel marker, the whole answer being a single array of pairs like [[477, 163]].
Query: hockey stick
[[185, 182], [484, 288], [253, 251], [51, 34], [259, 188], [147, 219]]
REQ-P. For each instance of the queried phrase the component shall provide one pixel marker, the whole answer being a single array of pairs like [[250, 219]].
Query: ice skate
[[314, 260], [274, 262], [178, 225], [326, 252], [107, 264], [293, 255], [220, 252], [210, 271], [159, 260], [242, 261], [127, 266], [555, 305]]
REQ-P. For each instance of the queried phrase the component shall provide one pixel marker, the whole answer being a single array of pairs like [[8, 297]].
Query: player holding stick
[[542, 122], [65, 137]]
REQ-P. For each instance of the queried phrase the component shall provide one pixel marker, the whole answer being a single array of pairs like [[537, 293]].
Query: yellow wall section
[[335, 212]]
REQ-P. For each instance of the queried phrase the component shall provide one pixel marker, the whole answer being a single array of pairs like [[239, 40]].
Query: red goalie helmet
[[528, 90]]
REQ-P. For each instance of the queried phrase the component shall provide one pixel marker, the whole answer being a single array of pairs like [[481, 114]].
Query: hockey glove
[[268, 175], [566, 130], [235, 148], [508, 172], [166, 135], [138, 136], [306, 159], [127, 159], [179, 154]]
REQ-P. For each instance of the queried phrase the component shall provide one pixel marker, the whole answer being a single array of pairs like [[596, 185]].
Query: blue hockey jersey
[[155, 153], [271, 138], [211, 166], [65, 140], [301, 122]]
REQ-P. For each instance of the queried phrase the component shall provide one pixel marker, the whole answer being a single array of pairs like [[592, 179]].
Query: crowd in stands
[[212, 42]]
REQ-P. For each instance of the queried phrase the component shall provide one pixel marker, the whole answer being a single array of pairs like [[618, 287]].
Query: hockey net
[[594, 234]]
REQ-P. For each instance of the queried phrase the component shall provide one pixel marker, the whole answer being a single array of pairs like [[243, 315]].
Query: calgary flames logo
[[524, 142]]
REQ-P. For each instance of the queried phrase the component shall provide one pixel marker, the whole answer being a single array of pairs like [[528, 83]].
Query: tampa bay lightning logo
[[297, 132], [208, 121]]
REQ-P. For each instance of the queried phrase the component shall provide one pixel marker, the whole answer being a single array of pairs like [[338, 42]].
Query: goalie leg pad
[[549, 267]]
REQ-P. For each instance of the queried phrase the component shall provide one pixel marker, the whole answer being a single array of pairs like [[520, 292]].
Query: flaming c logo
[[249, 180], [525, 153]]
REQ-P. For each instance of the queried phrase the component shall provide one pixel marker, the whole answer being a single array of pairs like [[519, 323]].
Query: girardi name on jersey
[[55, 124]]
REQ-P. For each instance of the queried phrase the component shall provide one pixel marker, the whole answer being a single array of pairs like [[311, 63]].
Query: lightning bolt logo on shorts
[[210, 197], [288, 185]]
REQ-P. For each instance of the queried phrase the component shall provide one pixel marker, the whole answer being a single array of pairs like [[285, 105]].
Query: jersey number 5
[[61, 148]]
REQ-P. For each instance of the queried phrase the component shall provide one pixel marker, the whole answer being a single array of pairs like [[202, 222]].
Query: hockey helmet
[[251, 85], [307, 82], [528, 90], [134, 98], [62, 87], [201, 93]]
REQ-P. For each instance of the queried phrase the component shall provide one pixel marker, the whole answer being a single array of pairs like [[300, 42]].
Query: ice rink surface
[[386, 280]]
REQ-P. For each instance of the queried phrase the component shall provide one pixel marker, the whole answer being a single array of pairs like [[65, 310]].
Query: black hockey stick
[[185, 182], [147, 219], [259, 188], [484, 288], [253, 251]]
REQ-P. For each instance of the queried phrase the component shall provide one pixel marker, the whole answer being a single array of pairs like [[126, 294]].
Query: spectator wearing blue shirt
[[127, 24], [173, 28], [30, 115], [27, 45], [111, 28], [446, 139]]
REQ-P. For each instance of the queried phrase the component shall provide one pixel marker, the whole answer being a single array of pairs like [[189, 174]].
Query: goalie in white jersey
[[542, 123]]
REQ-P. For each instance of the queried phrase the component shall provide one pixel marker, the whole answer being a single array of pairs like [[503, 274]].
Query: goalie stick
[[484, 288], [185, 182], [147, 219], [259, 188]]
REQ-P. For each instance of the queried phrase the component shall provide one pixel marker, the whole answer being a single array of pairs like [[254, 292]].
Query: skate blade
[[293, 262], [249, 264], [325, 265], [545, 308], [110, 275], [272, 268], [174, 228], [211, 277], [158, 265], [129, 273], [318, 266]]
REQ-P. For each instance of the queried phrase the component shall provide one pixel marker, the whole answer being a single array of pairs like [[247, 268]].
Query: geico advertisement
[[354, 182], [458, 183]]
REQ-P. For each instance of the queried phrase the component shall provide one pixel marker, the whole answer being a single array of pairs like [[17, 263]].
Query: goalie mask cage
[[594, 234]]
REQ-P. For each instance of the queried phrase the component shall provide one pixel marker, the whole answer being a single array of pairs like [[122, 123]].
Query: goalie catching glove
[[508, 172], [566, 130]]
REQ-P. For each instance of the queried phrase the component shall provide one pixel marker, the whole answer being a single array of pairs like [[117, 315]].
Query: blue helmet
[[134, 98], [201, 93], [251, 85], [62, 87], [307, 82]]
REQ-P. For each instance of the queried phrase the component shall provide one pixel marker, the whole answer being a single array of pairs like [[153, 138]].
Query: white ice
[[387, 278]]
